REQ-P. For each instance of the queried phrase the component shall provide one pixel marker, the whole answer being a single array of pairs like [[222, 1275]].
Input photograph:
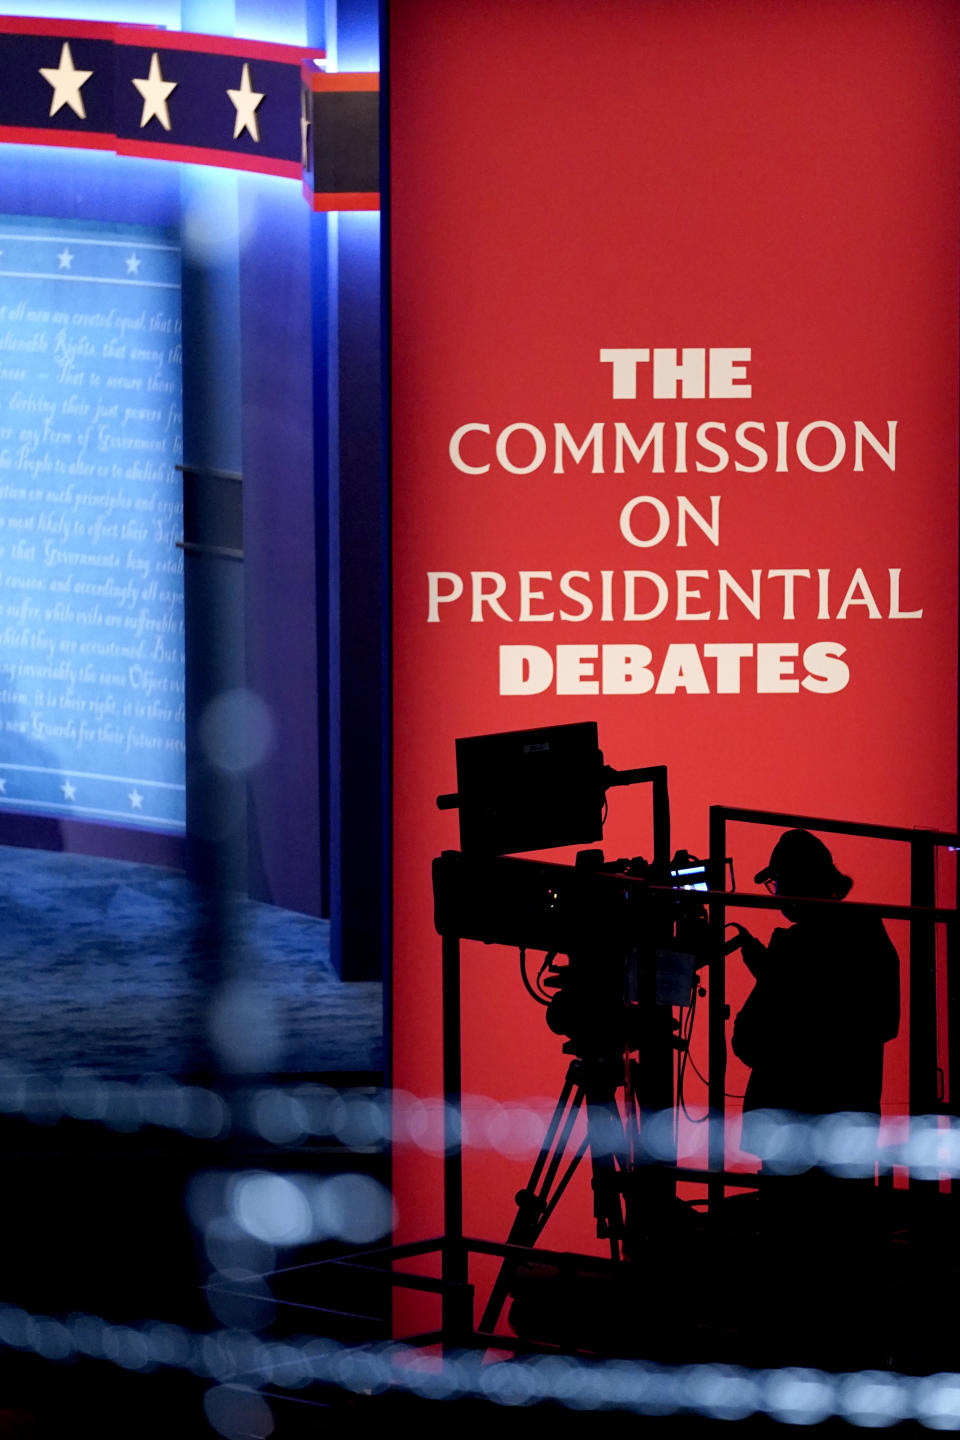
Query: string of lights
[[928, 1146], [792, 1395]]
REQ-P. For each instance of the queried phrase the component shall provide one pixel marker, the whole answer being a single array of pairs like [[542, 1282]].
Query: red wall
[[565, 178]]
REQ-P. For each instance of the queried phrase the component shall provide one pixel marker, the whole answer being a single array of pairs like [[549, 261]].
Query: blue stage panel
[[91, 580]]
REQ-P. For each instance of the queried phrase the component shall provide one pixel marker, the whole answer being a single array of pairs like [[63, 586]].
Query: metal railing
[[922, 914]]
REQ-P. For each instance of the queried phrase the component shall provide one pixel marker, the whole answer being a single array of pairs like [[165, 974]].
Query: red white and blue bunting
[[206, 99]]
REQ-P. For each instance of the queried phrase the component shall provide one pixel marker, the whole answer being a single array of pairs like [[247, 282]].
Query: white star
[[155, 90], [132, 263], [304, 127], [69, 791], [245, 102], [3, 785], [65, 259], [136, 799], [66, 82]]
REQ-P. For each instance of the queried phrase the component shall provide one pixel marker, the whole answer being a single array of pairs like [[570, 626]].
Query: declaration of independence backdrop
[[91, 504], [674, 389]]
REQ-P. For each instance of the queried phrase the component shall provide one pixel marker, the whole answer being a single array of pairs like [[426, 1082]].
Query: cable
[[540, 999], [728, 1094], [694, 1120], [548, 960]]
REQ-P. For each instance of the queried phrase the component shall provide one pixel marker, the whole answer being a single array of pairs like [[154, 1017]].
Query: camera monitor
[[529, 789]]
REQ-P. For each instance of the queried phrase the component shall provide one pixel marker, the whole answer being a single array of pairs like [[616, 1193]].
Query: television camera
[[634, 935]]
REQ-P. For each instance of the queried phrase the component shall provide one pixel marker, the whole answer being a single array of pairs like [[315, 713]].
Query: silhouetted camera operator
[[826, 998]]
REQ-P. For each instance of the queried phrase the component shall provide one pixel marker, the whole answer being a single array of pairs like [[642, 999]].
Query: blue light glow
[[76, 183], [138, 12], [208, 17], [353, 35], [282, 22]]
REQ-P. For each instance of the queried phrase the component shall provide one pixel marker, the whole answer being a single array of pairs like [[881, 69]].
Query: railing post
[[454, 1267], [953, 1015], [717, 1015], [924, 1098]]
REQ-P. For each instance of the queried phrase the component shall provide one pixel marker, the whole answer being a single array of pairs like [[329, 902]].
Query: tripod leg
[[608, 1154], [533, 1205], [570, 1095]]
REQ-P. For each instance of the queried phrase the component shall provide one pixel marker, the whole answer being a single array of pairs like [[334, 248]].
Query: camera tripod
[[611, 1140]]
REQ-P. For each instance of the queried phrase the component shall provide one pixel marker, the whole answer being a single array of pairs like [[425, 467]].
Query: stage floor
[[106, 965]]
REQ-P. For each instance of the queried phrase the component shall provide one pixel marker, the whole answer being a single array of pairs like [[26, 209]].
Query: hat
[[798, 850]]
